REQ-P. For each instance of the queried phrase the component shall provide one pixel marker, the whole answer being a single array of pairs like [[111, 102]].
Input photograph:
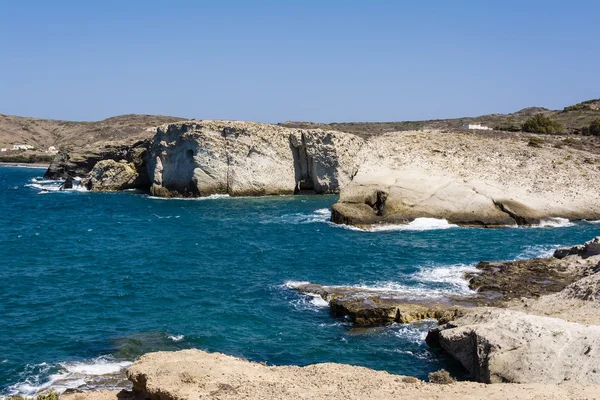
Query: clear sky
[[274, 61]]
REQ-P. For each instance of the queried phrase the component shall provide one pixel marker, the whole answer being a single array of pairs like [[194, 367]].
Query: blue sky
[[274, 61]]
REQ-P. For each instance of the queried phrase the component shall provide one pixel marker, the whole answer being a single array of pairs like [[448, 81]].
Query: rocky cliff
[[480, 179], [249, 159]]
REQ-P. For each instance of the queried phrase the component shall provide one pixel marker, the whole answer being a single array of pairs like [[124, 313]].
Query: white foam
[[69, 375], [317, 301], [294, 284], [320, 215], [211, 197], [52, 186], [418, 224], [176, 338], [451, 276], [594, 222], [555, 222]]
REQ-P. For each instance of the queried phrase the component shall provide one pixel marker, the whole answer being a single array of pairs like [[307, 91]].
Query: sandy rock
[[201, 158], [498, 345], [111, 175]]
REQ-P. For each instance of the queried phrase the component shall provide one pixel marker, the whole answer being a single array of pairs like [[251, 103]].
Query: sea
[[91, 281]]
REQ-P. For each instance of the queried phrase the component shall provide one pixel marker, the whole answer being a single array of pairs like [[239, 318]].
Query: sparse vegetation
[[535, 142], [540, 123], [593, 104], [49, 395], [441, 377], [594, 128]]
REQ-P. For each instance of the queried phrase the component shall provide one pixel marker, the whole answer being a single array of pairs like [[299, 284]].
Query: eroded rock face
[[248, 159], [110, 175], [498, 345]]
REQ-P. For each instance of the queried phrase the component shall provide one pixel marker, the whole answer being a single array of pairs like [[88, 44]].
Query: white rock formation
[[248, 159], [498, 345]]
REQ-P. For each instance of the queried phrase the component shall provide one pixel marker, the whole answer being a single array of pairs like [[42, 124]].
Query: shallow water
[[89, 281]]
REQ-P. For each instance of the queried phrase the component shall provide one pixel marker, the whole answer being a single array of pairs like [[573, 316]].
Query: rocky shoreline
[[516, 336], [392, 178]]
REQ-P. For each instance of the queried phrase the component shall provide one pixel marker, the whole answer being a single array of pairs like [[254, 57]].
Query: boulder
[[588, 249], [498, 345], [110, 175]]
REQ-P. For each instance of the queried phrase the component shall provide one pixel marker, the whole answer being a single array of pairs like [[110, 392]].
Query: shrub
[[594, 128], [441, 377], [535, 142], [539, 123]]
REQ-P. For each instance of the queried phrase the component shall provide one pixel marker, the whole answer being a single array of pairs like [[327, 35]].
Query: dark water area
[[90, 281]]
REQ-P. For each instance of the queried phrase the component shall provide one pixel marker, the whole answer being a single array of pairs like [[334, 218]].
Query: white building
[[476, 126], [22, 147], [3, 150]]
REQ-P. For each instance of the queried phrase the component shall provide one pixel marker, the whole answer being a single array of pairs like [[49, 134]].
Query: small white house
[[52, 150], [3, 150], [22, 147], [477, 126]]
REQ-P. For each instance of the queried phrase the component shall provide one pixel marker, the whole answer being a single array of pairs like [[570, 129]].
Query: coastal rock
[[498, 345], [373, 308], [201, 158], [588, 249], [502, 281], [110, 175], [73, 163], [194, 374], [467, 180]]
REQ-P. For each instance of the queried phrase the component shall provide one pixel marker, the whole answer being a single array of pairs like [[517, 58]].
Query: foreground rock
[[468, 180], [498, 345], [375, 308], [194, 374]]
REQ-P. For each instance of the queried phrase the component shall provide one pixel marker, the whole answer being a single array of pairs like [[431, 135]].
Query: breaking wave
[[555, 222], [102, 372]]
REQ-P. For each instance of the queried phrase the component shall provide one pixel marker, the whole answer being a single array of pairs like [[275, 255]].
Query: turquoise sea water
[[89, 281]]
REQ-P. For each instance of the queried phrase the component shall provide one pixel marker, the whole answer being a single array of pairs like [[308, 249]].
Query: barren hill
[[42, 133], [572, 118]]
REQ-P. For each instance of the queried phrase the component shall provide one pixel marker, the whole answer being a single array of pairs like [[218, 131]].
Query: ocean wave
[[176, 338], [418, 224], [304, 300], [52, 186], [555, 222], [211, 197], [537, 251], [100, 372], [322, 215], [430, 282]]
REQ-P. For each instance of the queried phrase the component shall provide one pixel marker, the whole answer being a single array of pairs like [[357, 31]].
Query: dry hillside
[[43, 133]]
